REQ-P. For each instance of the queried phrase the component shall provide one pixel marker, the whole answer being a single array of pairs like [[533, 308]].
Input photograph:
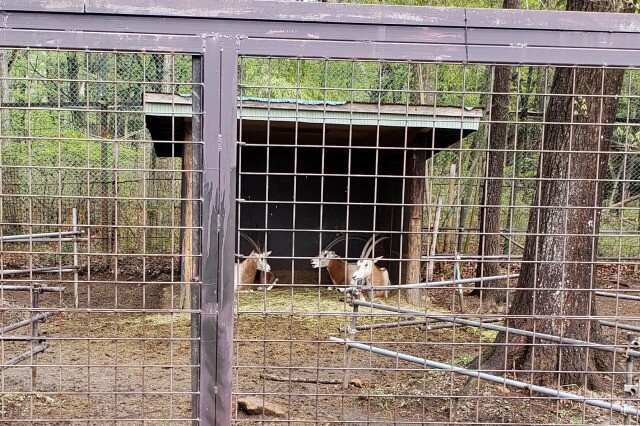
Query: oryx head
[[322, 260], [364, 269], [261, 260]]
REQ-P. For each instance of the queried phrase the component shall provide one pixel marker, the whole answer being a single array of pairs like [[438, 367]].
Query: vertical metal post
[[630, 390], [628, 387], [195, 301], [352, 336], [227, 213], [35, 302], [219, 165], [75, 256]]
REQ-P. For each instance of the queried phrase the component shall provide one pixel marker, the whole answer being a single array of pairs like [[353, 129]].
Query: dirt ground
[[113, 364]]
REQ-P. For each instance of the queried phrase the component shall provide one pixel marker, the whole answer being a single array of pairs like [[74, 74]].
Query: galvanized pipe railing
[[542, 336], [622, 409], [16, 325], [35, 237], [439, 283]]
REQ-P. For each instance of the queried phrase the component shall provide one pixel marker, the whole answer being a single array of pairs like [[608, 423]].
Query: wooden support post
[[187, 267], [416, 297], [434, 240], [452, 210]]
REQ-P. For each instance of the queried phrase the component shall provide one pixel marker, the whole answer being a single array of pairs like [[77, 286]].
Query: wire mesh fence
[[480, 223], [473, 217], [74, 138]]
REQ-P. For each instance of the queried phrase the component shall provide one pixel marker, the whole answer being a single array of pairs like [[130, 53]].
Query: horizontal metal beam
[[29, 237], [340, 31], [617, 295], [29, 288], [99, 41], [281, 11], [345, 31], [437, 284], [47, 270], [353, 50], [340, 13]]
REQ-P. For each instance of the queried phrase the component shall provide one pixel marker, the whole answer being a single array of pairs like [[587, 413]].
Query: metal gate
[[147, 151]]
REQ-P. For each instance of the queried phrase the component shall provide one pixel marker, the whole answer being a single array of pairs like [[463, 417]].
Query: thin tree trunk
[[489, 244]]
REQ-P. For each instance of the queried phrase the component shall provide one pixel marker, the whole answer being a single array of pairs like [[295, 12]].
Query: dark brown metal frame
[[217, 32]]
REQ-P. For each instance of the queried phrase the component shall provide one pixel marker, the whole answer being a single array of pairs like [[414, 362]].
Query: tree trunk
[[489, 244], [561, 242], [554, 292], [416, 296], [489, 241]]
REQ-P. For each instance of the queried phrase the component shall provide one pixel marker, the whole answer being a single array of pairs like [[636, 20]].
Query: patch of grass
[[155, 325], [387, 398], [291, 300], [463, 361]]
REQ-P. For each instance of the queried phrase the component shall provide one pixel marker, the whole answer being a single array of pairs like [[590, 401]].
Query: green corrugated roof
[[347, 114], [358, 118]]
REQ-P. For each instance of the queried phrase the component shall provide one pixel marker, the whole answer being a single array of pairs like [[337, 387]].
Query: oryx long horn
[[334, 242], [365, 249], [371, 246], [250, 241], [343, 238]]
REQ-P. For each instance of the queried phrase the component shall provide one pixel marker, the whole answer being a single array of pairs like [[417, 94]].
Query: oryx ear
[[377, 258]]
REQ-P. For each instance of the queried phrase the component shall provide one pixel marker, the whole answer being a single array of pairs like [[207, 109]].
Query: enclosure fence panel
[[498, 206], [259, 212], [93, 236]]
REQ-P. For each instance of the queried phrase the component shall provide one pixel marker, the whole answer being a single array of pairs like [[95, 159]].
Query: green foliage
[[362, 81]]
